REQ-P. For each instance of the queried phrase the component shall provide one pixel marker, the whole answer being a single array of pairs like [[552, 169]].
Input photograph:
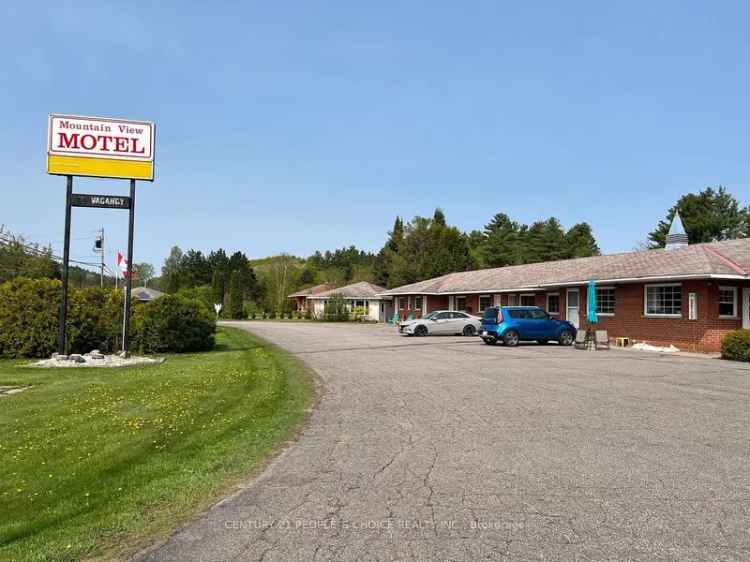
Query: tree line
[[422, 248]]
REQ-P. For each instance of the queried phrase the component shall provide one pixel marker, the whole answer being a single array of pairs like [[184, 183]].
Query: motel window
[[418, 303], [485, 301], [460, 303], [528, 300], [360, 304], [605, 300], [401, 303], [728, 302], [512, 300], [663, 300], [553, 303]]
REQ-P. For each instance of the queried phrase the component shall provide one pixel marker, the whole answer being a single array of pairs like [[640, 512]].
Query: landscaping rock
[[99, 361]]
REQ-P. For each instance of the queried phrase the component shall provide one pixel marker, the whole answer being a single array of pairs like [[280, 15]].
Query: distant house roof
[[728, 259], [313, 290], [144, 294], [361, 290]]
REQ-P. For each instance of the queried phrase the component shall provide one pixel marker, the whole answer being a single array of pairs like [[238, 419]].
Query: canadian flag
[[122, 264]]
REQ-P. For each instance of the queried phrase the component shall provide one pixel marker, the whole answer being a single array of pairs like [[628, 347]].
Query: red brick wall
[[703, 334]]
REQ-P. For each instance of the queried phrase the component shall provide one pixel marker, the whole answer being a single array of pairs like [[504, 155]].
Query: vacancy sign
[[100, 147]]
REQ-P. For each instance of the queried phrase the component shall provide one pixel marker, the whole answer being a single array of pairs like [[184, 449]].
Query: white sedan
[[440, 323]]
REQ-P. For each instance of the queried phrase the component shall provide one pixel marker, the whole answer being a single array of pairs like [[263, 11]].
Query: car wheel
[[511, 338], [542, 342], [470, 330], [566, 337], [420, 331]]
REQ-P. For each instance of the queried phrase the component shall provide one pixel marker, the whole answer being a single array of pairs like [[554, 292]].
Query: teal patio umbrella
[[591, 316]]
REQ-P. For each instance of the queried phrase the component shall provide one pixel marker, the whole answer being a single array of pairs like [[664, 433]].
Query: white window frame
[[401, 301], [532, 295], [734, 302], [645, 300], [608, 287], [513, 296], [455, 303], [559, 304], [421, 303], [479, 302]]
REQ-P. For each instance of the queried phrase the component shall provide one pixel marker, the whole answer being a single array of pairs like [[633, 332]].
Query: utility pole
[[100, 248]]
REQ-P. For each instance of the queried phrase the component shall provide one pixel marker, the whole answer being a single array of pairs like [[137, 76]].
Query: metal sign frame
[[74, 200]]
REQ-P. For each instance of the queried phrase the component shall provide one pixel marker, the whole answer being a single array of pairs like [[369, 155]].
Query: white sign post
[[217, 308]]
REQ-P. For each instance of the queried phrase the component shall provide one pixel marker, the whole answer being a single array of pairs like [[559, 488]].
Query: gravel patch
[[93, 360]]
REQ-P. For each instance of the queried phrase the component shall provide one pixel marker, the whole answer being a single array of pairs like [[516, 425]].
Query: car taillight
[[499, 316]]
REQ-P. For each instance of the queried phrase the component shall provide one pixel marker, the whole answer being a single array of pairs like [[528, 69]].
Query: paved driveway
[[448, 449]]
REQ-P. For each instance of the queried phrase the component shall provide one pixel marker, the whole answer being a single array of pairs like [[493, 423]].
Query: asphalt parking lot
[[448, 449]]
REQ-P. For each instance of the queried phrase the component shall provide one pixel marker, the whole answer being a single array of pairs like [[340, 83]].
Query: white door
[[573, 306], [746, 308]]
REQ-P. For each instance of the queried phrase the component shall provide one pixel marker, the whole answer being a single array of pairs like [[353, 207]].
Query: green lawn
[[94, 461]]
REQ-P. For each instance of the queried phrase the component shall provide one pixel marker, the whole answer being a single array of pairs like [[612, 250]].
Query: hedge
[[736, 345], [28, 317], [173, 324], [29, 310]]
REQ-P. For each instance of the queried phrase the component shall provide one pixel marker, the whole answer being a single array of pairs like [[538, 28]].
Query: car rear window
[[490, 314]]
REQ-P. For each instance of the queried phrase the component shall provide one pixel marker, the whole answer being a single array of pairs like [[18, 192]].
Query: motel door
[[746, 308], [573, 307]]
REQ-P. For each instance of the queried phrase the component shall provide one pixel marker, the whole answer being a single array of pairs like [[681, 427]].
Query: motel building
[[361, 295], [688, 296], [300, 297]]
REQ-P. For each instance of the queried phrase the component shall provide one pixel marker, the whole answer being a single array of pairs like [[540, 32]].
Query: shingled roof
[[728, 259], [313, 290], [361, 290]]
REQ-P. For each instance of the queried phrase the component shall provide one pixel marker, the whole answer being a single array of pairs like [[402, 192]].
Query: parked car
[[512, 324], [442, 322]]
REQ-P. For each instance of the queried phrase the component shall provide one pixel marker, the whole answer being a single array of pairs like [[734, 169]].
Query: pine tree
[[710, 215], [386, 261], [580, 242], [545, 241], [218, 286], [172, 269], [501, 242], [236, 296]]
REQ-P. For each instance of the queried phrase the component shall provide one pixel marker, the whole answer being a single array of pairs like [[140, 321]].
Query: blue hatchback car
[[512, 324]]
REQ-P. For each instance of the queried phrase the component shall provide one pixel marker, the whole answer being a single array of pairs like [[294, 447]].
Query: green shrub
[[203, 293], [736, 345], [360, 313], [29, 312], [28, 317], [173, 324], [95, 320], [336, 309]]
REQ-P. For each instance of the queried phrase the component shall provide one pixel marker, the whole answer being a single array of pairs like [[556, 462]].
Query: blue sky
[[296, 126]]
